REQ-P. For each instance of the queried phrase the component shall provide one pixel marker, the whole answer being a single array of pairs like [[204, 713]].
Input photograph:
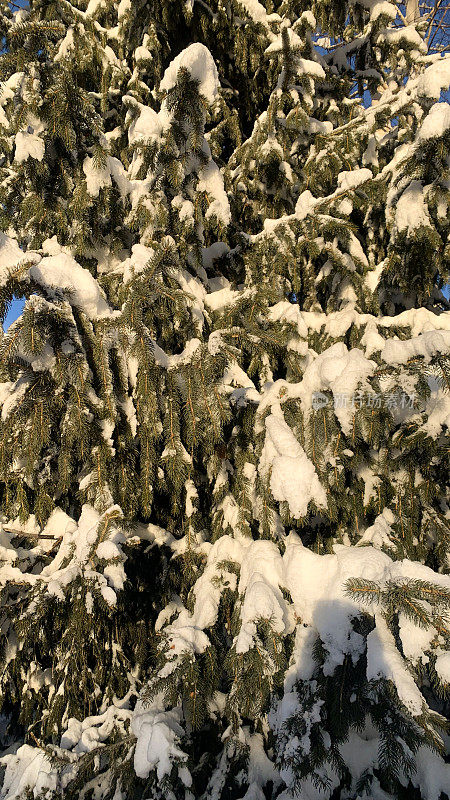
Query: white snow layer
[[198, 60], [57, 273], [442, 667], [382, 8], [28, 145], [293, 477], [79, 543], [436, 124], [432, 774], [11, 256], [29, 768], [426, 345], [260, 578], [337, 323], [277, 45], [257, 12], [316, 584], [385, 661], [11, 392], [211, 182], [435, 79], [158, 733], [411, 211], [146, 126], [101, 177], [351, 179], [62, 273], [321, 607]]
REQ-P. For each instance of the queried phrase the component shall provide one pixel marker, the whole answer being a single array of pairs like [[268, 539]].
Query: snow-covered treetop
[[200, 64]]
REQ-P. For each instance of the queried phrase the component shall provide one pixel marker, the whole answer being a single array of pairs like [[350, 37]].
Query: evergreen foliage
[[224, 410]]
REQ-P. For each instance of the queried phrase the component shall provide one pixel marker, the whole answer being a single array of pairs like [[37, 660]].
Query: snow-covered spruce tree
[[225, 531]]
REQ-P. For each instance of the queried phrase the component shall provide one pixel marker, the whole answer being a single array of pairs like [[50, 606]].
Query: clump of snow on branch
[[199, 62]]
